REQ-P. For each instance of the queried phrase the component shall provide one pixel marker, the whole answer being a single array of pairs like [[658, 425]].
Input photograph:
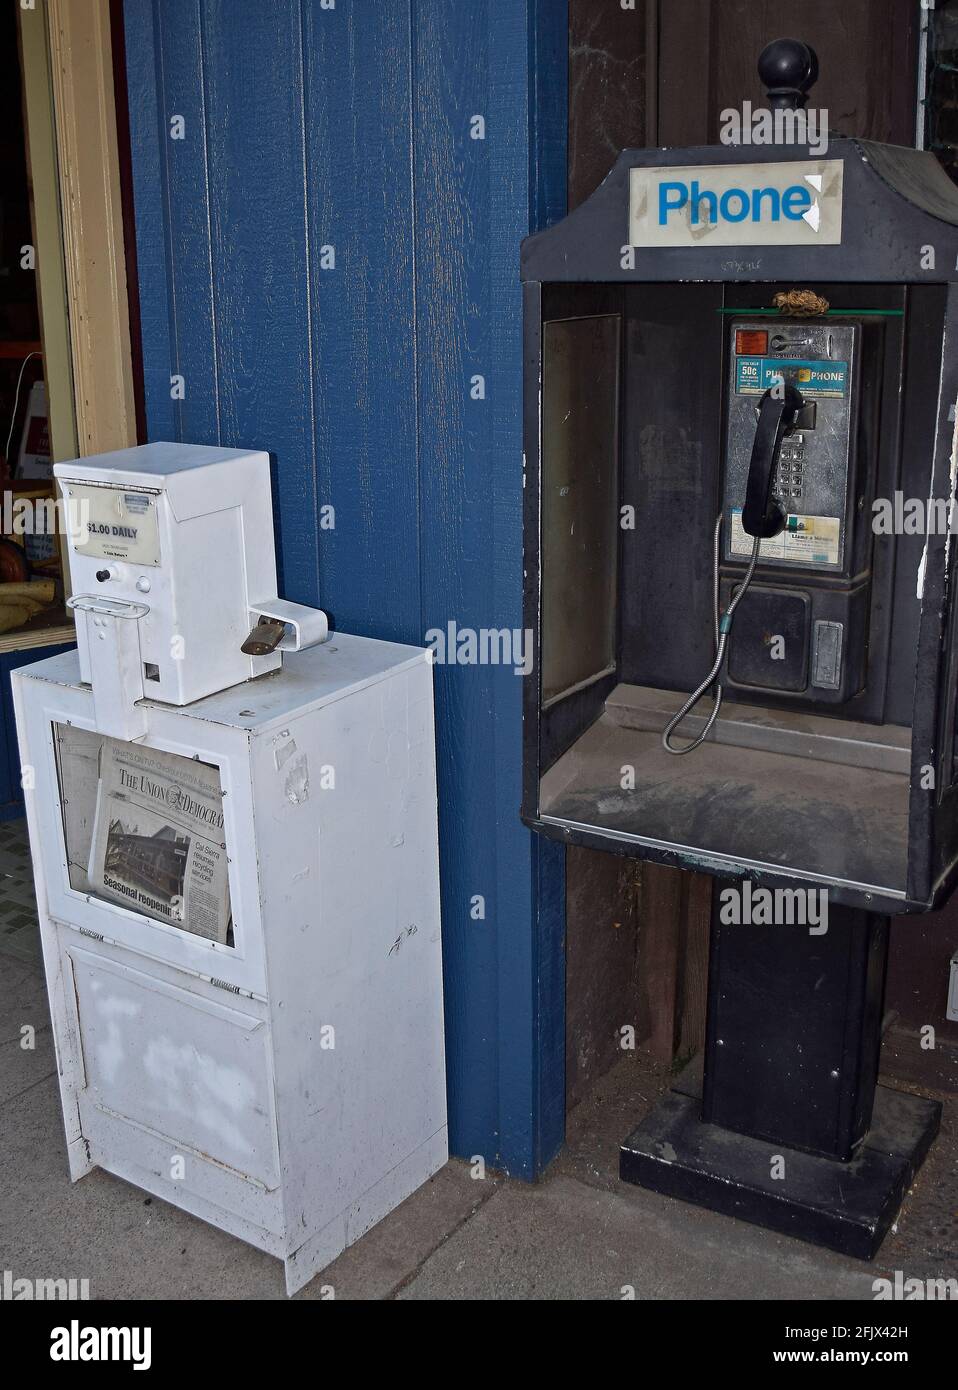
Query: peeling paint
[[284, 746], [297, 781]]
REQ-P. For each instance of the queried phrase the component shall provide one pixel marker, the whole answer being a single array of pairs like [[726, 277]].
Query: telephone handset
[[780, 407], [791, 498]]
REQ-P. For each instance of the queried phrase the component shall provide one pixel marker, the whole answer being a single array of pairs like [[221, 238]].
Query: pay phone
[[793, 543], [809, 483], [751, 446]]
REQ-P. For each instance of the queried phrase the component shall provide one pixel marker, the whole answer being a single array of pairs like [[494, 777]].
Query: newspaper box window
[[145, 829], [213, 778]]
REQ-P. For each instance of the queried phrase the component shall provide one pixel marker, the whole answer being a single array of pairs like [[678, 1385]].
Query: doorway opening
[[32, 597]]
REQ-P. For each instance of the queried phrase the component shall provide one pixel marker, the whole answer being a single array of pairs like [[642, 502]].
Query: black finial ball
[[788, 68]]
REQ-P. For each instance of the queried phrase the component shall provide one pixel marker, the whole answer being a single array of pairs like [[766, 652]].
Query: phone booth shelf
[[630, 394]]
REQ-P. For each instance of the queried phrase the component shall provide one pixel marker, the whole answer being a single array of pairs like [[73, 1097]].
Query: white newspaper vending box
[[232, 820]]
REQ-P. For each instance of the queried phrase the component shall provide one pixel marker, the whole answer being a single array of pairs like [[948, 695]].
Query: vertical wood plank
[[685, 95], [47, 231], [451, 173], [662, 901], [504, 206], [81, 65], [548, 106], [693, 986], [526, 157], [253, 78], [358, 171], [608, 97], [187, 215], [154, 271], [601, 951], [474, 202]]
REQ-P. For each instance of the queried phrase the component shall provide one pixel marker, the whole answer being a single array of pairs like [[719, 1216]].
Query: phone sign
[[791, 203], [814, 378]]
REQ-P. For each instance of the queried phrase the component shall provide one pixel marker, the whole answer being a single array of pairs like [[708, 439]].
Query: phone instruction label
[[806, 540]]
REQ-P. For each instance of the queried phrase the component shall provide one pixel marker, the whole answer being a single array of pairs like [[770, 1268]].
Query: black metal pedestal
[[787, 1129]]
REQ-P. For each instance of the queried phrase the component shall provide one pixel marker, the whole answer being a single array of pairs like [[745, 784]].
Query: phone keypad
[[788, 484]]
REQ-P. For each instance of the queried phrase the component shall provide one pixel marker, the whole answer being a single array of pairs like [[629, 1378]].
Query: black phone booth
[[693, 448]]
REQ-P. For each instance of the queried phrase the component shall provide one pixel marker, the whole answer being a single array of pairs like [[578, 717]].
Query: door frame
[[73, 162]]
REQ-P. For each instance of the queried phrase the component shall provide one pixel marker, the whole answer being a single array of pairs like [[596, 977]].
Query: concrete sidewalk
[[579, 1234]]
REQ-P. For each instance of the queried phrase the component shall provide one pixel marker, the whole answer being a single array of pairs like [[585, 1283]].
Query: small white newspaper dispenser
[[232, 819]]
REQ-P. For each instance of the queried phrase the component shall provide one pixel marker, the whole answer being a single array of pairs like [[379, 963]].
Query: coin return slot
[[151, 672]]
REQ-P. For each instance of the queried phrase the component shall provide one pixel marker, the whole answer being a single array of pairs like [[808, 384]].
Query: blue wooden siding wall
[[11, 792], [328, 259]]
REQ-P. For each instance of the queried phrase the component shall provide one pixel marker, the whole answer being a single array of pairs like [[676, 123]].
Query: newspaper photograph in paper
[[158, 838]]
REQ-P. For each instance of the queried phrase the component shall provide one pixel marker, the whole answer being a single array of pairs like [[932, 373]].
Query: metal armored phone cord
[[722, 627]]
